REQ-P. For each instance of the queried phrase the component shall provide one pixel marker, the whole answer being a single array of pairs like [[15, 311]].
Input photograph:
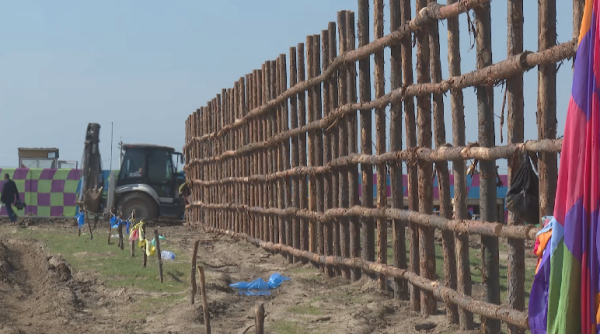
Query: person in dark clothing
[[9, 193]]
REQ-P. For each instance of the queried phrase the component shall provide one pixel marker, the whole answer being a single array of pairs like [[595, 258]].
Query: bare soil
[[41, 293]]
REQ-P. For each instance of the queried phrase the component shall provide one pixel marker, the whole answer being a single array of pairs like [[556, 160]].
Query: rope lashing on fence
[[439, 290], [499, 71], [460, 226], [424, 154], [433, 12]]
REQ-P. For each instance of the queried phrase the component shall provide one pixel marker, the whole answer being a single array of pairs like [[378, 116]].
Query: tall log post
[[487, 177], [516, 134], [443, 177], [310, 112], [335, 152], [286, 156], [398, 227], [327, 187], [366, 125], [352, 121], [318, 141], [426, 237], [302, 153], [460, 183], [411, 142], [343, 143], [380, 125], [280, 153], [295, 152]]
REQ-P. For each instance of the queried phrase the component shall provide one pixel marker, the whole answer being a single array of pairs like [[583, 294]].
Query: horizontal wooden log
[[460, 226], [424, 154], [433, 12], [488, 75], [440, 292]]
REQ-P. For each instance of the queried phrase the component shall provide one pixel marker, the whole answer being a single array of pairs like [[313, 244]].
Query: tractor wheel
[[145, 207]]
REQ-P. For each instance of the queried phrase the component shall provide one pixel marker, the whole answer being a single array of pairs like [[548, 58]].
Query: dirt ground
[[42, 293]]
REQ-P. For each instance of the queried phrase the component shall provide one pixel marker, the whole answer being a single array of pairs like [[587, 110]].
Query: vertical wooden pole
[[343, 143], [236, 168], [516, 134], [232, 161], [269, 163], [546, 112], [220, 149], [295, 153], [426, 237], [318, 149], [286, 156], [398, 228], [334, 130], [411, 142], [145, 256], [441, 168], [201, 212], [89, 224], [205, 171], [578, 6], [352, 121], [204, 300], [280, 152], [310, 112], [328, 191], [246, 105], [252, 130], [366, 124], [265, 156], [460, 184], [274, 150], [487, 188], [261, 153], [158, 255], [120, 230], [381, 145], [244, 158], [302, 153], [193, 272], [259, 318]]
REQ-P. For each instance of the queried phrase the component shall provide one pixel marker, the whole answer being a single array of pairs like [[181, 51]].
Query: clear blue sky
[[146, 65]]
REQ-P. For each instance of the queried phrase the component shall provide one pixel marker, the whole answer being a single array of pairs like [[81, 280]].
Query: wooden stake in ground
[[87, 221], [160, 271], [120, 229], [204, 301], [132, 242], [259, 318], [143, 236], [193, 272]]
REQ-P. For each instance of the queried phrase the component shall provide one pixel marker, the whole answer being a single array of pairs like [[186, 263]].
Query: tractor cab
[[148, 182]]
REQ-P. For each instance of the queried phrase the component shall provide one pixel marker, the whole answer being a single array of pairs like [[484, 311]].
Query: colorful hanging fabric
[[80, 219], [565, 294]]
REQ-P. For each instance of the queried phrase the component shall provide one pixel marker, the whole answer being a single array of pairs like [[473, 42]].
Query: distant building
[[39, 157]]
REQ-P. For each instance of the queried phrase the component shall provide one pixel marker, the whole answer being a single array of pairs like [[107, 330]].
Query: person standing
[[9, 193]]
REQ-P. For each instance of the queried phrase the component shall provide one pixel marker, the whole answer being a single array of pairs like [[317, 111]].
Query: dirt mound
[[38, 292]]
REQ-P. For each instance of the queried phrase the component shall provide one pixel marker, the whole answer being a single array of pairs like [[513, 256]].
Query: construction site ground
[[54, 281]]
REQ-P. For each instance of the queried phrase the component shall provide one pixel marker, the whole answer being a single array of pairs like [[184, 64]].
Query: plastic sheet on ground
[[259, 287]]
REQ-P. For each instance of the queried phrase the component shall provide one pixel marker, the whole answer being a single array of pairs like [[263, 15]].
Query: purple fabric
[[69, 199], [43, 199], [56, 211], [58, 186], [538, 297], [47, 174]]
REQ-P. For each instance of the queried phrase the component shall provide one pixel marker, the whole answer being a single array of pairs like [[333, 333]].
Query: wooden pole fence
[[286, 157]]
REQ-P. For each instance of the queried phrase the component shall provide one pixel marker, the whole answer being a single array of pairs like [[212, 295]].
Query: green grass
[[475, 264], [116, 267]]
